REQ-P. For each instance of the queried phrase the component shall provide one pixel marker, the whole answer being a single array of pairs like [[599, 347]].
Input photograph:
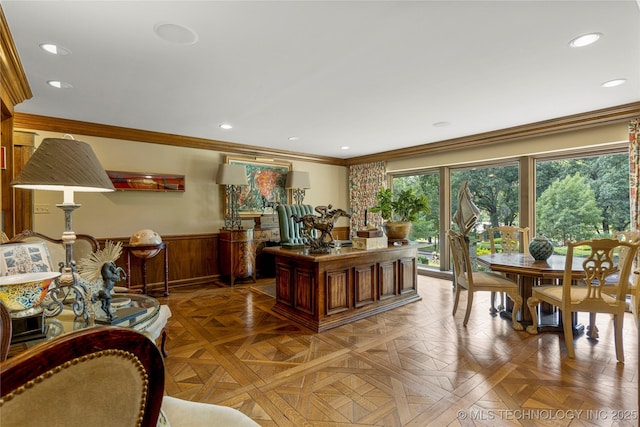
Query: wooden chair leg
[[533, 303], [517, 306], [457, 299], [568, 333], [164, 339], [617, 325], [468, 311], [493, 309]]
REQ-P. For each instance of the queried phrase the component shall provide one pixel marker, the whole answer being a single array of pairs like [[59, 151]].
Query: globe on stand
[[145, 237]]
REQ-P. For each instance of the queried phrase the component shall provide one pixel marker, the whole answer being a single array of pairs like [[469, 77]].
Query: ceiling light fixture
[[585, 40], [344, 147], [55, 49], [441, 124], [226, 126], [614, 83], [294, 138], [174, 33], [59, 84]]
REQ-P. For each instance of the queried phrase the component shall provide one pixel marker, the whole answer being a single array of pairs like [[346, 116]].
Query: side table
[[164, 247], [237, 254]]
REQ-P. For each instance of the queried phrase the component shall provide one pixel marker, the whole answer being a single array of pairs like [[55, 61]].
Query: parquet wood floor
[[413, 366]]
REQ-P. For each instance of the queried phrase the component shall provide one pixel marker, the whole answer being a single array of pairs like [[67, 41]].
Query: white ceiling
[[371, 75]]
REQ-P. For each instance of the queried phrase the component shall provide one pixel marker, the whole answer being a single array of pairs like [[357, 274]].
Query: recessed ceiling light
[[441, 124], [226, 126], [614, 83], [59, 84], [294, 138], [344, 147], [55, 49], [174, 33], [585, 40]]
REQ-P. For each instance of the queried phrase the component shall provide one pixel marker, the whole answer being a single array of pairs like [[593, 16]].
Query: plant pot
[[397, 230]]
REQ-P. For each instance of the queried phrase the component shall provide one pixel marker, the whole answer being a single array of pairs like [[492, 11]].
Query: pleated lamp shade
[[63, 165]]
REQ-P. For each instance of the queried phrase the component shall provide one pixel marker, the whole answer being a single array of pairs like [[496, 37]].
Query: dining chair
[[512, 239], [587, 293], [476, 281], [612, 281], [632, 236]]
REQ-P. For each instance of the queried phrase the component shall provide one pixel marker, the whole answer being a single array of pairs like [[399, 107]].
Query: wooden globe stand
[[163, 246]]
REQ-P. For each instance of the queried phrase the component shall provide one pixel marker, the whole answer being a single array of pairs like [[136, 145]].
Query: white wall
[[199, 209]]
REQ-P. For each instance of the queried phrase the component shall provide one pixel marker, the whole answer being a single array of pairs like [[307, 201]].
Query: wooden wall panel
[[193, 259]]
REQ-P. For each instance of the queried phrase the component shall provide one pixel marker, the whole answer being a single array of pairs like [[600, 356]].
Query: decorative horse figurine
[[323, 223], [110, 275]]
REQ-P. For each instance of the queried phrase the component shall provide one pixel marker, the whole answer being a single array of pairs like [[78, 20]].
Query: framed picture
[[20, 258], [124, 181], [266, 187]]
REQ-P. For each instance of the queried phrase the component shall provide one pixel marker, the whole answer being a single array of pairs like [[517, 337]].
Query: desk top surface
[[343, 252]]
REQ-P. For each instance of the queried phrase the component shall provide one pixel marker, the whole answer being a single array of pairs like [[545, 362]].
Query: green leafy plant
[[405, 207]]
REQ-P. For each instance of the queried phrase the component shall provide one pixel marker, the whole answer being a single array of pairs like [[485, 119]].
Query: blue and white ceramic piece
[[540, 248]]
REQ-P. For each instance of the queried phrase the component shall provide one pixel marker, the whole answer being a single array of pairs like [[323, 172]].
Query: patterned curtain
[[634, 172], [365, 181]]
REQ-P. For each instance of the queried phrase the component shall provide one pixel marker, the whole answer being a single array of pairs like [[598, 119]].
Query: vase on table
[[540, 248]]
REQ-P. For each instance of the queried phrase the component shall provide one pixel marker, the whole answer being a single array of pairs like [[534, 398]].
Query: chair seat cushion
[[577, 294], [485, 279], [184, 413]]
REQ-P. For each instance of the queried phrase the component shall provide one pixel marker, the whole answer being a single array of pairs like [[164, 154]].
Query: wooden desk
[[529, 272], [322, 291]]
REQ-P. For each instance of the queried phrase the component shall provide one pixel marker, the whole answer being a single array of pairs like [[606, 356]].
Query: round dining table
[[529, 273]]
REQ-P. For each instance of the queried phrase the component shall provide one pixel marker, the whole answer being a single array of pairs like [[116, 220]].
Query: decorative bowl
[[24, 291]]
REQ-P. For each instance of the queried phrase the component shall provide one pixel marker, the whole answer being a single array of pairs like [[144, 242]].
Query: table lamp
[[298, 181], [69, 166], [232, 177]]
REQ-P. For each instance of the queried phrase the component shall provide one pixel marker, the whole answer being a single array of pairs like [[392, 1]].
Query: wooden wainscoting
[[193, 259]]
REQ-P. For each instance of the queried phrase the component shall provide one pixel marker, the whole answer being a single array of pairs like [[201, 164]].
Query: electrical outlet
[[41, 209]]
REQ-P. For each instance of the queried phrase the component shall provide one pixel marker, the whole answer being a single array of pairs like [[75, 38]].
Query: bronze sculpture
[[324, 223]]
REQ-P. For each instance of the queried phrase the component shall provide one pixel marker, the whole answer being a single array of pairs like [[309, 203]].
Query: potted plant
[[399, 213]]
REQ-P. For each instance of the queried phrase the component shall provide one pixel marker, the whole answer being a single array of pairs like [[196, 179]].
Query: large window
[[576, 197], [427, 227], [496, 193], [582, 198]]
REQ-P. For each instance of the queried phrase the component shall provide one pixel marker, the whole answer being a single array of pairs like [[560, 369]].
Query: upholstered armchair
[[103, 376], [291, 231]]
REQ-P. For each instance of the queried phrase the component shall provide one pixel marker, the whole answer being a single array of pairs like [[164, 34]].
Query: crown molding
[[13, 81], [53, 124], [574, 122]]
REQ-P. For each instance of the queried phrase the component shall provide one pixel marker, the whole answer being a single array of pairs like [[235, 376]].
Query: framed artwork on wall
[[267, 181], [135, 181]]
